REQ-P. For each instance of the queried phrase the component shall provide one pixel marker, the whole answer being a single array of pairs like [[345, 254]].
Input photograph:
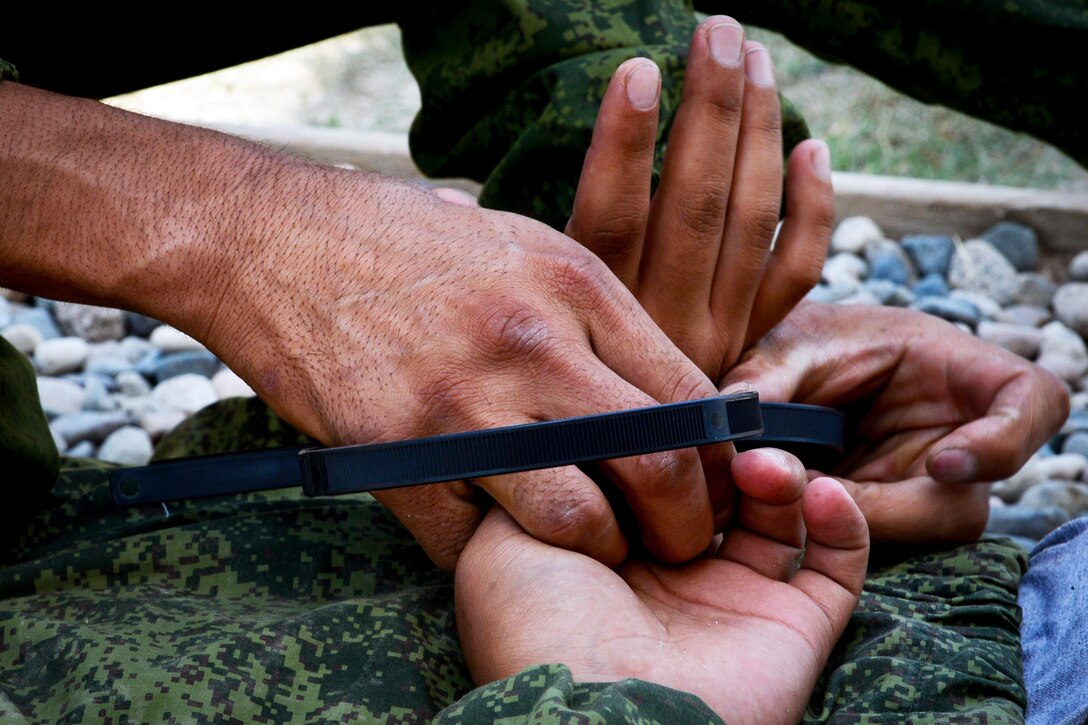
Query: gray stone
[[134, 349], [1062, 352], [887, 260], [1078, 268], [1034, 290], [844, 268], [1019, 339], [131, 384], [169, 339], [932, 285], [1065, 466], [1077, 421], [986, 305], [1070, 497], [978, 267], [884, 290], [83, 449], [60, 355], [1032, 523], [228, 385], [1076, 443], [40, 320], [159, 423], [198, 362], [1023, 315], [1071, 306], [98, 395], [111, 366], [949, 309], [931, 254], [88, 426], [187, 393], [1011, 489], [23, 338], [129, 446], [853, 233], [60, 397], [862, 297], [93, 324], [833, 293], [1017, 242], [140, 325]]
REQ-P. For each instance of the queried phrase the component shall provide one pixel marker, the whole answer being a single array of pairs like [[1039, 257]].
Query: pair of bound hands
[[749, 624]]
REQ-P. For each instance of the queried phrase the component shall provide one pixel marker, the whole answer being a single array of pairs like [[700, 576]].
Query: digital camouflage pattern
[[511, 88], [270, 607]]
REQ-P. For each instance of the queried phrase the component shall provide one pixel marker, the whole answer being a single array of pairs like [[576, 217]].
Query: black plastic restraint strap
[[490, 452]]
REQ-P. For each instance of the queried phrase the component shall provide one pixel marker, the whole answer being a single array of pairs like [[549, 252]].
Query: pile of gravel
[[112, 383]]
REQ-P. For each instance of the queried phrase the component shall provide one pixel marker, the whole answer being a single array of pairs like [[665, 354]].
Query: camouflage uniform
[[272, 608]]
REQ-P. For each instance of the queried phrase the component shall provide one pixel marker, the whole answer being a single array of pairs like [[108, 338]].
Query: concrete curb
[[899, 205]]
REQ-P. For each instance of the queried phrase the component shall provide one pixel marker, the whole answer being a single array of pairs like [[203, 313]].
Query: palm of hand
[[743, 628], [930, 411]]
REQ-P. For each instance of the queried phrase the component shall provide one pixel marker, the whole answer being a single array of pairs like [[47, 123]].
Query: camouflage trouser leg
[[268, 605]]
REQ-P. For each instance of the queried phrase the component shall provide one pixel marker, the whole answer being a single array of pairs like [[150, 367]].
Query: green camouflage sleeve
[[547, 694], [511, 89], [1016, 63], [8, 71]]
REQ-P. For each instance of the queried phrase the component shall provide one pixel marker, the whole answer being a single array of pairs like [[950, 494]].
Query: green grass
[[874, 129]]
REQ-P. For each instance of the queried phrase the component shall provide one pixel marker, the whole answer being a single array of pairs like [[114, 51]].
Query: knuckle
[[702, 211], [661, 475], [578, 278], [571, 522], [614, 236], [507, 329]]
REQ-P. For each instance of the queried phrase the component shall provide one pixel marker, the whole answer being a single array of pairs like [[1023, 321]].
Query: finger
[[754, 203], [454, 510], [768, 535], [836, 553], [563, 507], [794, 266], [688, 210], [613, 198], [896, 512], [634, 366], [1019, 418]]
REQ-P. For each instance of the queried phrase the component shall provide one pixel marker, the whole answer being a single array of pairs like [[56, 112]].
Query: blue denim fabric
[[1054, 599]]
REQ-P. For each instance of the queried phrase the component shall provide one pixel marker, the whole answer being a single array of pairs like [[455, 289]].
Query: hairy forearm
[[105, 206]]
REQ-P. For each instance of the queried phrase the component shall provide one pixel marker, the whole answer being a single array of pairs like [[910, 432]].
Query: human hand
[[744, 628], [362, 309], [698, 255], [932, 412]]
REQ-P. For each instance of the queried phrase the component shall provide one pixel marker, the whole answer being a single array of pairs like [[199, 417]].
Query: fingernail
[[821, 160], [775, 456], [643, 85], [758, 66], [726, 43], [954, 465]]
